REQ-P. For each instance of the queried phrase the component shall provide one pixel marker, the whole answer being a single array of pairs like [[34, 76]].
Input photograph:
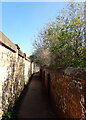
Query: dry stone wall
[[67, 89], [15, 70]]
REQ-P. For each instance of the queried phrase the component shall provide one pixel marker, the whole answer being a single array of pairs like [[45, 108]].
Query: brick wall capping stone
[[7, 43], [27, 59], [60, 69], [25, 55], [79, 73], [17, 46], [20, 53]]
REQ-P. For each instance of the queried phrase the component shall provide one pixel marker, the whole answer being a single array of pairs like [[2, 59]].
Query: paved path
[[36, 103]]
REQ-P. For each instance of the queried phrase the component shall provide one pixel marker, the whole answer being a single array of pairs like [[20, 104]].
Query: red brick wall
[[68, 92]]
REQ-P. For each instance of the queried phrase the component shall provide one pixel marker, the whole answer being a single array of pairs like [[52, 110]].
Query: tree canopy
[[62, 42]]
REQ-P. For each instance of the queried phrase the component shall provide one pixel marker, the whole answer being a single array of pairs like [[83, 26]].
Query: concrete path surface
[[36, 103]]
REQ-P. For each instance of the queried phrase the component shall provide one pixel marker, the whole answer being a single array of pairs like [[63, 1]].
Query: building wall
[[67, 89], [15, 71]]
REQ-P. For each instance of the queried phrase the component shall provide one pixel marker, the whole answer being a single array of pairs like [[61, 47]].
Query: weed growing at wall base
[[11, 114]]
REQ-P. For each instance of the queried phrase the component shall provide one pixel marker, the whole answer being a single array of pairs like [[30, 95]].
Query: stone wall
[[67, 89], [15, 71]]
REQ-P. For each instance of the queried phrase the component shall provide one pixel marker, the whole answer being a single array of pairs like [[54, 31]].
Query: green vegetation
[[62, 42]]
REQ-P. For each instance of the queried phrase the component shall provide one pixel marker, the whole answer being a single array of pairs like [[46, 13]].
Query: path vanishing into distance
[[36, 103]]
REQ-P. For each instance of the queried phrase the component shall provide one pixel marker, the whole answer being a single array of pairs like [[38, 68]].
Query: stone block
[[0, 55], [2, 63], [5, 57]]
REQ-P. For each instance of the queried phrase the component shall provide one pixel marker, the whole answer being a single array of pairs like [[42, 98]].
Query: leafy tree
[[64, 39]]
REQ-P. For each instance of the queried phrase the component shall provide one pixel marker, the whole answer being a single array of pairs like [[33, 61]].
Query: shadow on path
[[36, 103]]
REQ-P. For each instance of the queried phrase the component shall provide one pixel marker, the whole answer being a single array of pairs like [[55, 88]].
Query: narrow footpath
[[36, 103]]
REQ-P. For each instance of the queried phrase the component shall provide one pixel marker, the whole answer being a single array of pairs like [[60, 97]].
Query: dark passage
[[36, 103]]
